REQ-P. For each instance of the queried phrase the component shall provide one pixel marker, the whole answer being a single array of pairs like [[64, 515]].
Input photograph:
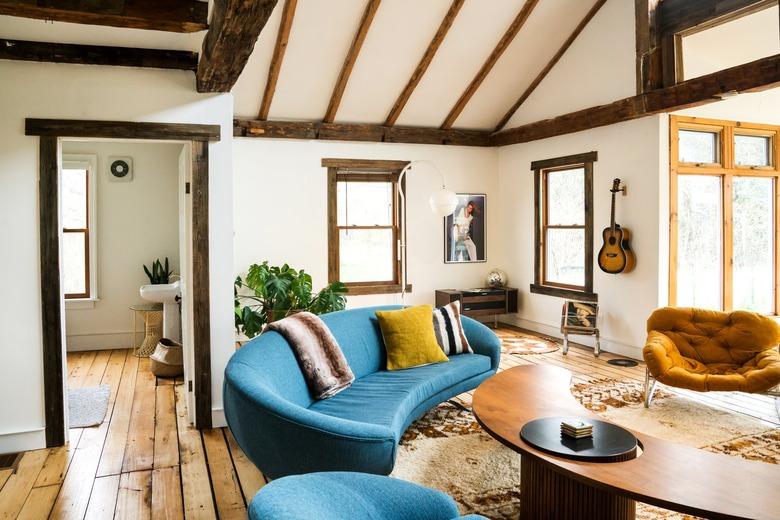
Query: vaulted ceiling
[[321, 35]]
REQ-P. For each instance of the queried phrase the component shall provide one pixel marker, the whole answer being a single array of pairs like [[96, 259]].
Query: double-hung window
[[563, 226], [724, 219], [364, 224], [78, 240]]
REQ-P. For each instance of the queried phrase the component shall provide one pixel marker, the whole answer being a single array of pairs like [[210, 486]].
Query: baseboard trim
[[218, 418], [23, 440], [607, 345], [100, 341]]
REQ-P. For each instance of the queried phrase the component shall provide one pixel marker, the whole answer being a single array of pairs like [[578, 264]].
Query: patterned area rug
[[516, 342], [446, 448]]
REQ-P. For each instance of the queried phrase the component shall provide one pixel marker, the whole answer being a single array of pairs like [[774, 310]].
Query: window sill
[[361, 290], [564, 293], [81, 303]]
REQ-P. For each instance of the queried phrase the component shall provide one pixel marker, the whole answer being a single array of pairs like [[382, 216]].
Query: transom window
[[364, 224], [78, 242], [563, 197], [723, 228]]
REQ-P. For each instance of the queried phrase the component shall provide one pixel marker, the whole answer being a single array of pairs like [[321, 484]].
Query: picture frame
[[465, 231]]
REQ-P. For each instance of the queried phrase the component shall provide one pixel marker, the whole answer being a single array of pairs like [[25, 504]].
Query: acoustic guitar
[[615, 256]]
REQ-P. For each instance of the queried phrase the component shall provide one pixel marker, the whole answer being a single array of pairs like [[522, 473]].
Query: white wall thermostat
[[120, 169]]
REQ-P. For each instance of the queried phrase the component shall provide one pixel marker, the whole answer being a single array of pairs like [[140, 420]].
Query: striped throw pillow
[[449, 330]]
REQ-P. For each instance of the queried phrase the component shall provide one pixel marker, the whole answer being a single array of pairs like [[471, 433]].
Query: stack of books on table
[[576, 429]]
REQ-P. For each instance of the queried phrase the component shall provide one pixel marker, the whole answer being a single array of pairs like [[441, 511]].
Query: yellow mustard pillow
[[409, 337]]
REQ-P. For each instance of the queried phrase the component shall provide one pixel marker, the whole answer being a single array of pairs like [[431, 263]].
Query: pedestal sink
[[169, 295]]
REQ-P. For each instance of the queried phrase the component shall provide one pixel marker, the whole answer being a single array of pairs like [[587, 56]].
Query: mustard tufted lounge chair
[[705, 350]]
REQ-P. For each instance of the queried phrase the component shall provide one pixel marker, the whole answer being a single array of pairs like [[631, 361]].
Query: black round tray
[[610, 442]]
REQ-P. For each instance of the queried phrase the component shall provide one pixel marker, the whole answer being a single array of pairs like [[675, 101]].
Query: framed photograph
[[465, 231], [579, 316]]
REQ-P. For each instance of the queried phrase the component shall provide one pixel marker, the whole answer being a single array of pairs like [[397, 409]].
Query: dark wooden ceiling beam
[[233, 31], [358, 132], [171, 15], [676, 16], [97, 55], [282, 37], [649, 71], [430, 52], [349, 61], [502, 45], [547, 68], [750, 77]]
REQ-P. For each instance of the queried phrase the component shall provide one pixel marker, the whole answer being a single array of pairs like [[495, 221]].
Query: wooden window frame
[[357, 170], [726, 170], [541, 170], [89, 163]]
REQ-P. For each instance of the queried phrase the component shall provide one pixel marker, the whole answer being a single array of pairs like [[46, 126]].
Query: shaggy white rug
[[446, 448]]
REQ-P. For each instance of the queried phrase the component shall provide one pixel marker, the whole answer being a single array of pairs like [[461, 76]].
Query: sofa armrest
[[482, 340]]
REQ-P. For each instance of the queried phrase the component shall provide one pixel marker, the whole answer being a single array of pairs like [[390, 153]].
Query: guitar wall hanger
[[615, 255]]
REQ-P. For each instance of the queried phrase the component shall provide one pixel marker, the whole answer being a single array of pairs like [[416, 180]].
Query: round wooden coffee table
[[666, 474]]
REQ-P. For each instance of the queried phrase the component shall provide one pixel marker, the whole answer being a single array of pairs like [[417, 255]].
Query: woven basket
[[167, 359]]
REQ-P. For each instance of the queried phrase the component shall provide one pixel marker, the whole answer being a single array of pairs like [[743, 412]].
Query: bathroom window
[[78, 229], [364, 225], [563, 196]]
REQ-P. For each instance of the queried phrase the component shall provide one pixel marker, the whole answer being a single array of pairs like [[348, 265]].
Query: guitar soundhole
[[612, 241]]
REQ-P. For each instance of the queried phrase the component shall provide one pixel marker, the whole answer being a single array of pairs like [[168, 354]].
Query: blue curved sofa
[[348, 496], [285, 432]]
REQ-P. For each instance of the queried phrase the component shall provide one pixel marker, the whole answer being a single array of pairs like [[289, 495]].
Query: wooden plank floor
[[146, 462]]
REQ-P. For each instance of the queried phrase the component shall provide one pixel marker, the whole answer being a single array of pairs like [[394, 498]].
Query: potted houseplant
[[270, 293], [159, 274]]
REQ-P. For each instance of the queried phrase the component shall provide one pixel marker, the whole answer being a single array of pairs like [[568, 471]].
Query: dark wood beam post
[[156, 15], [201, 300], [749, 77], [349, 61], [502, 45], [282, 37], [234, 28], [430, 52], [546, 70], [97, 55], [51, 310], [649, 72]]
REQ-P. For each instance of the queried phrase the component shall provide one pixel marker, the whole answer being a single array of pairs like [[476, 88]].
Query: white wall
[[137, 222], [629, 151], [281, 209], [90, 92], [756, 107]]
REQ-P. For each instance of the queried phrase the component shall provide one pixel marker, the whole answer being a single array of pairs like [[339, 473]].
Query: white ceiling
[[322, 32]]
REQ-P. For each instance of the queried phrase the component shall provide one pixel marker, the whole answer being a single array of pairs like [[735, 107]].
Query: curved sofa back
[[273, 364]]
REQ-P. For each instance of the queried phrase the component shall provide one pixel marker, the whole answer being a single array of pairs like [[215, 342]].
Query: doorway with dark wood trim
[[50, 133]]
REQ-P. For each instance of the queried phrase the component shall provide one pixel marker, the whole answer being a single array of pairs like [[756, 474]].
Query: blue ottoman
[[348, 496]]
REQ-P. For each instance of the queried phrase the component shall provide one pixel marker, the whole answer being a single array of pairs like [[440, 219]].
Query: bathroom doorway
[[64, 151]]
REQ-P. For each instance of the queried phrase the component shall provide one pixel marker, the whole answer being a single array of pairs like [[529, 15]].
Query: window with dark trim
[[76, 231], [563, 226], [364, 225]]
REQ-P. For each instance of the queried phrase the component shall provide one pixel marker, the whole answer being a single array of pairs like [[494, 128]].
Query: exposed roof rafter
[[502, 45], [349, 61], [749, 77], [172, 15], [430, 52], [282, 37], [97, 55], [234, 28], [546, 70]]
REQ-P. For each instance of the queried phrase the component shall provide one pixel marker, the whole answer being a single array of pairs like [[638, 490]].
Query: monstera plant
[[270, 293]]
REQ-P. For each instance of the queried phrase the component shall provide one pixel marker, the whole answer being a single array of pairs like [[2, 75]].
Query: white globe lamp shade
[[443, 202]]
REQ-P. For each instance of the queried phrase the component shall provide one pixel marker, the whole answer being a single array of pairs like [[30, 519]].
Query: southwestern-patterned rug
[[516, 342], [446, 448]]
